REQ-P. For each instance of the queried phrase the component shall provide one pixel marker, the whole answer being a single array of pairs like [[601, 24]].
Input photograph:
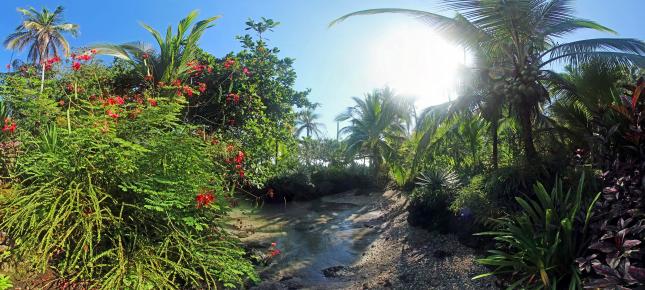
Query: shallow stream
[[312, 236]]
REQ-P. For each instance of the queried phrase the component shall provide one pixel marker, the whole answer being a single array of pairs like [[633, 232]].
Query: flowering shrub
[[114, 191]]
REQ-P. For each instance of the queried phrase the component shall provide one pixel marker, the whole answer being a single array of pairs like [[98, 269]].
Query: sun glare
[[416, 62]]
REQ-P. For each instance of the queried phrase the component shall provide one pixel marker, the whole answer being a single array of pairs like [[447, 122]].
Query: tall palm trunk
[[527, 132], [42, 78], [493, 129]]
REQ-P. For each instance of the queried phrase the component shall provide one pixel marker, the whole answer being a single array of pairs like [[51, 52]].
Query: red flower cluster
[[188, 90], [111, 101], [239, 159], [76, 65], [246, 71], [197, 68], [152, 102], [202, 87], [204, 198], [233, 97], [50, 62], [229, 63], [273, 251], [112, 115], [9, 126], [84, 57]]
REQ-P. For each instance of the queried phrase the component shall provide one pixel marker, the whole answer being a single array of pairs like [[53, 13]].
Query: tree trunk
[[527, 133], [42, 78], [495, 158]]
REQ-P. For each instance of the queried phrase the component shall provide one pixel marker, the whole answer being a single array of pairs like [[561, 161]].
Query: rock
[[333, 271], [285, 278], [366, 286]]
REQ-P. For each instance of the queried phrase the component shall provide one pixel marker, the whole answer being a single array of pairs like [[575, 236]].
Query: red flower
[[188, 91], [241, 173], [145, 56], [204, 198], [119, 100], [232, 97], [239, 157], [73, 55], [152, 102], [202, 87], [274, 244], [148, 78], [274, 253], [9, 126], [61, 103], [76, 65], [246, 71], [8, 66], [229, 148], [239, 166], [215, 142], [176, 83], [228, 63], [113, 115], [93, 51], [84, 57]]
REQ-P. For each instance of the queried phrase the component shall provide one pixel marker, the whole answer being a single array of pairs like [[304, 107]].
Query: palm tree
[[43, 32], [522, 38], [376, 123], [175, 51], [306, 121]]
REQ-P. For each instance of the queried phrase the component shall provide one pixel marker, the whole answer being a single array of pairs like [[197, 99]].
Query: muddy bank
[[350, 241]]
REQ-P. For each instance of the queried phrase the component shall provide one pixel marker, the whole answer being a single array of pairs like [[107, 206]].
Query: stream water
[[312, 235]]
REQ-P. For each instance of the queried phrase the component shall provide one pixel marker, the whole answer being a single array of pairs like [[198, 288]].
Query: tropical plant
[[43, 32], [615, 258], [431, 198], [376, 123], [127, 196], [521, 38], [537, 246], [175, 54], [5, 282], [306, 122]]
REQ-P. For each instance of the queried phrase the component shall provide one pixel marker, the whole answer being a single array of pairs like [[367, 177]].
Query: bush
[[536, 248], [125, 196], [429, 202], [474, 200], [313, 182]]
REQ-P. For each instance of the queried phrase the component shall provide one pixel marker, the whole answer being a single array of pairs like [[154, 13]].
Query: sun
[[415, 61]]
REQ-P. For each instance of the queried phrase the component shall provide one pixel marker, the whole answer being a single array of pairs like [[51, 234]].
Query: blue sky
[[347, 60]]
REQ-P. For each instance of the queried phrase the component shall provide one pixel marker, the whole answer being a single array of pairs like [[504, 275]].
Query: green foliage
[[175, 51], [5, 282], [476, 198], [429, 202], [538, 245]]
